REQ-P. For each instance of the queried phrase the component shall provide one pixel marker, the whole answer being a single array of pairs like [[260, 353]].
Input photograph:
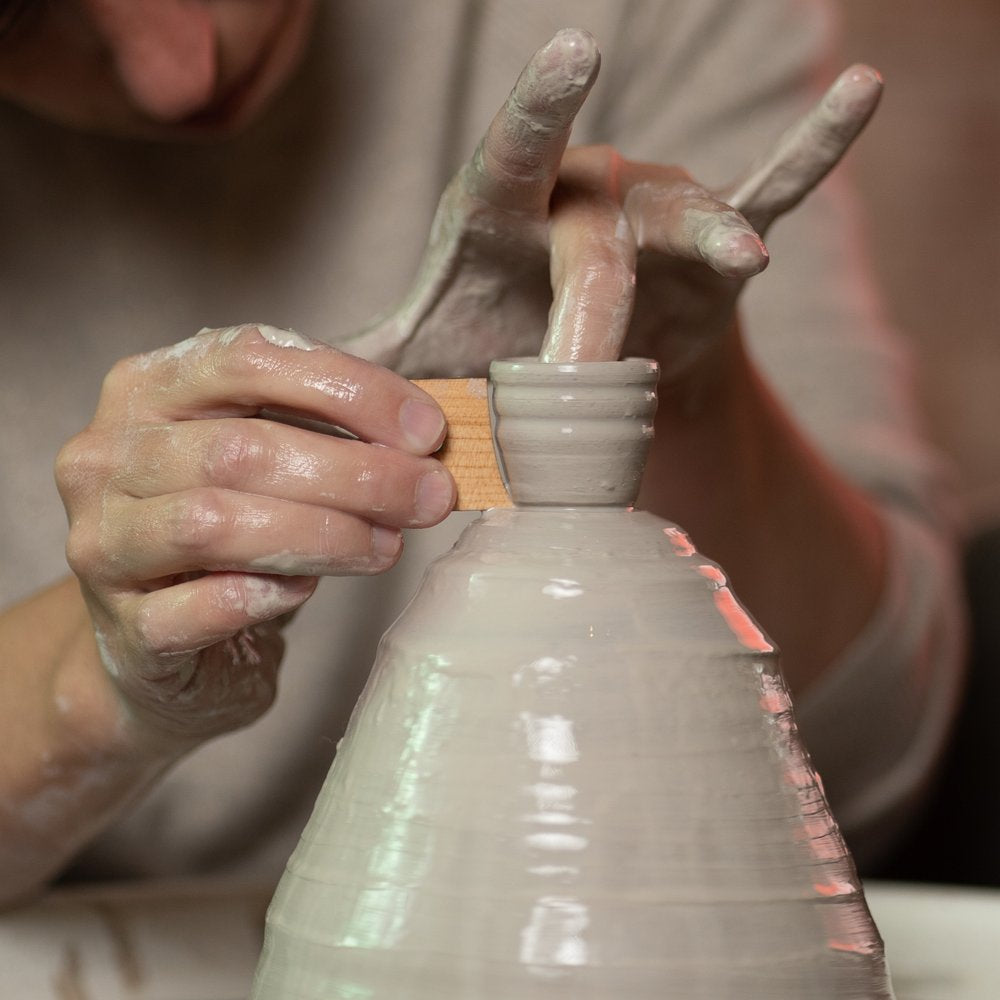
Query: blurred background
[[928, 170]]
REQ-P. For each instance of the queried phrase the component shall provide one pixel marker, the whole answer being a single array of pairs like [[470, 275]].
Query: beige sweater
[[315, 219]]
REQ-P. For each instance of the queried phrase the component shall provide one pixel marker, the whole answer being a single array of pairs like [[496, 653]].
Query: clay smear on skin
[[204, 339], [272, 334], [47, 810], [559, 74], [336, 387]]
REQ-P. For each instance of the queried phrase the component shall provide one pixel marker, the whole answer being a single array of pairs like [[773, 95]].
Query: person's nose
[[164, 51]]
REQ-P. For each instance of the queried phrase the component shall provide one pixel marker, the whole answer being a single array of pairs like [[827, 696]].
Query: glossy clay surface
[[574, 773]]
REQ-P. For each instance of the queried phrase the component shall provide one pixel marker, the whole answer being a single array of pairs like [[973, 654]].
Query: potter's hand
[[483, 287], [615, 248], [195, 530], [643, 257]]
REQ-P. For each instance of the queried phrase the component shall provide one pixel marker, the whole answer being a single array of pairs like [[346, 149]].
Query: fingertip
[[435, 497], [574, 47], [856, 92], [563, 69], [742, 255], [864, 74], [423, 425], [387, 546], [732, 248]]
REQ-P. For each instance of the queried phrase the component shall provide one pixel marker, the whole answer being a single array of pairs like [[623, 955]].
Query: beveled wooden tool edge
[[467, 451]]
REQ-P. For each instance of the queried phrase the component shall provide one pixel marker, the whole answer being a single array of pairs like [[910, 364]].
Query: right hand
[[601, 251], [196, 531]]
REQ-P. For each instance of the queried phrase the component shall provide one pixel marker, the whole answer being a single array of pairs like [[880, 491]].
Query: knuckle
[[195, 520], [230, 362], [590, 169], [685, 190], [233, 455], [236, 351], [247, 599], [606, 157], [83, 464], [74, 464], [148, 633], [231, 599], [121, 376], [83, 551]]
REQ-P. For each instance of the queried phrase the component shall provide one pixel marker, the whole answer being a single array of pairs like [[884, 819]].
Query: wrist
[[72, 760], [90, 714]]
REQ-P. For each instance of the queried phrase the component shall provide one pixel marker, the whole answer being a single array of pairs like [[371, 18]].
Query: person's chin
[[222, 120]]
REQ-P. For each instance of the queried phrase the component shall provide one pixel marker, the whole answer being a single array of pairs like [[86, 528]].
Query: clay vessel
[[574, 771]]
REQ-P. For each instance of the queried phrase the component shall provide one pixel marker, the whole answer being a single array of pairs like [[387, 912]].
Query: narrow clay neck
[[572, 434]]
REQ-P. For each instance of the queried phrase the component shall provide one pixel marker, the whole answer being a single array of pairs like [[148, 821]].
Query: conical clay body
[[574, 773]]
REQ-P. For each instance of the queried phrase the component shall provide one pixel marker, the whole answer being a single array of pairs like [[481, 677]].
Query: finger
[[517, 162], [807, 152], [592, 266], [148, 541], [197, 613], [674, 216], [240, 370], [269, 459]]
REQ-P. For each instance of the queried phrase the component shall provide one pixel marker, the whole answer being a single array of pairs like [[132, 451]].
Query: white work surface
[[200, 942]]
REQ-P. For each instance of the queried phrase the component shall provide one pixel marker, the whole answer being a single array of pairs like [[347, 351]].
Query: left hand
[[599, 251], [197, 528]]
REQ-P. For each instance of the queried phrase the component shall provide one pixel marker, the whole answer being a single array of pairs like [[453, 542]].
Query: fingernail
[[733, 249], [422, 424], [862, 73], [745, 254], [435, 496], [386, 542]]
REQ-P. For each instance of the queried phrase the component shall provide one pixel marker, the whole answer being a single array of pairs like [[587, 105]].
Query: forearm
[[72, 759], [804, 548]]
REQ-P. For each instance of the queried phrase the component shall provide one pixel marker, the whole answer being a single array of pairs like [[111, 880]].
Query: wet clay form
[[574, 771]]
